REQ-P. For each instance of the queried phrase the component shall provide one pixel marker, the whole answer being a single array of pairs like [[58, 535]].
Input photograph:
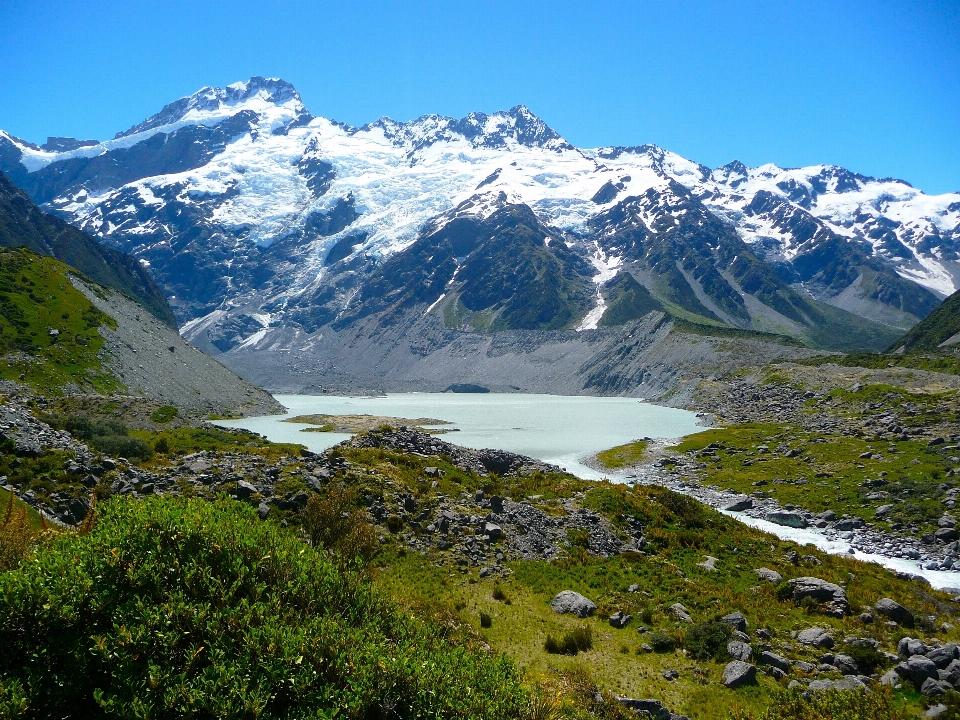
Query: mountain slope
[[23, 224], [268, 227], [61, 332], [938, 331]]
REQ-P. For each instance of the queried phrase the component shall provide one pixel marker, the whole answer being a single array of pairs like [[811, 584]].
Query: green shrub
[[485, 620], [578, 640], [176, 608], [868, 658], [164, 414], [499, 594], [661, 642], [335, 524], [394, 523], [707, 640]]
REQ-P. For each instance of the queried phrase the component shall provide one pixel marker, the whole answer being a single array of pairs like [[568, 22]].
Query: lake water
[[556, 429]]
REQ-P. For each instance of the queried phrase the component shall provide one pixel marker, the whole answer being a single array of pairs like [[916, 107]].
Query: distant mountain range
[[270, 229]]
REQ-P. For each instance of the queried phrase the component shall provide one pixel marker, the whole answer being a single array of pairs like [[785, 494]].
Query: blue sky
[[873, 86]]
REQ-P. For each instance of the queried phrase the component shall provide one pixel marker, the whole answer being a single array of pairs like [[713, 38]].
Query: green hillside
[[940, 325], [23, 224], [48, 329]]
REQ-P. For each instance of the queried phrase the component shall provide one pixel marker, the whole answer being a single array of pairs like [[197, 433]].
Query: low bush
[[164, 414], [661, 642], [485, 620], [707, 640], [336, 524], [578, 640], [108, 436], [868, 658], [176, 608]]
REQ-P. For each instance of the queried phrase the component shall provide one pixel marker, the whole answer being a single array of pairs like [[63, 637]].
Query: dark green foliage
[[707, 640], [173, 609], [577, 640], [940, 325], [164, 414], [23, 224], [661, 642], [868, 658], [108, 436], [485, 620], [499, 594]]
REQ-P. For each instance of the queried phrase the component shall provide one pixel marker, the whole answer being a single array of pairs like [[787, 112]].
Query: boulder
[[787, 519], [951, 673], [832, 596], [680, 612], [891, 678], [736, 620], [574, 603], [245, 490], [933, 688], [739, 650], [619, 620], [943, 656], [647, 708], [769, 575], [917, 669], [895, 611], [739, 504], [492, 531], [846, 664], [815, 636], [849, 682], [946, 534], [774, 660], [738, 673], [909, 646]]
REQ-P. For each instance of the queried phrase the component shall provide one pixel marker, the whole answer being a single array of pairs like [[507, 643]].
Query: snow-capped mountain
[[262, 221]]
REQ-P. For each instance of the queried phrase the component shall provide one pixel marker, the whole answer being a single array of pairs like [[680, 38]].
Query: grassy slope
[[938, 326], [36, 299], [23, 224]]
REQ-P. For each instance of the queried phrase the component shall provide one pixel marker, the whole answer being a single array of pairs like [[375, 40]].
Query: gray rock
[[492, 531], [891, 678], [572, 602], [774, 660], [917, 669], [739, 504], [633, 588], [769, 575], [895, 611], [680, 612], [787, 519], [935, 711], [739, 650], [951, 673], [620, 620], [909, 646], [846, 664], [245, 490], [738, 673], [709, 564], [946, 534], [933, 688], [815, 636], [263, 510], [849, 682], [651, 708], [832, 596], [670, 674], [736, 620], [804, 667], [943, 655]]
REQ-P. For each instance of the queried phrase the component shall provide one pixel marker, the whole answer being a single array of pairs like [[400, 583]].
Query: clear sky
[[870, 85]]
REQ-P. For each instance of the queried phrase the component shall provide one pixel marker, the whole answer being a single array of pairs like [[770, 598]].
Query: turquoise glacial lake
[[562, 430]]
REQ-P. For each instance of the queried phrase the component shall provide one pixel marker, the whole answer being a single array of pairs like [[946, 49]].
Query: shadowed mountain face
[[23, 224], [266, 226], [940, 330]]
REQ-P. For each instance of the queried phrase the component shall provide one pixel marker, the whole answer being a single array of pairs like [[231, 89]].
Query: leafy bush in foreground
[[707, 640], [183, 608]]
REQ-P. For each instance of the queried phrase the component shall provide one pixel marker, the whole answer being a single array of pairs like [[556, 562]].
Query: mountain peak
[[209, 101]]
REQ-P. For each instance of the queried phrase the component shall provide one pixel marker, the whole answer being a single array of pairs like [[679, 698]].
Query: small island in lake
[[364, 423]]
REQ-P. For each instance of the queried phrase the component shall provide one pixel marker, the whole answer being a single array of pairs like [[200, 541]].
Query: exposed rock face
[[739, 650], [738, 673], [832, 596], [769, 575], [815, 636], [574, 603], [895, 611], [680, 612]]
